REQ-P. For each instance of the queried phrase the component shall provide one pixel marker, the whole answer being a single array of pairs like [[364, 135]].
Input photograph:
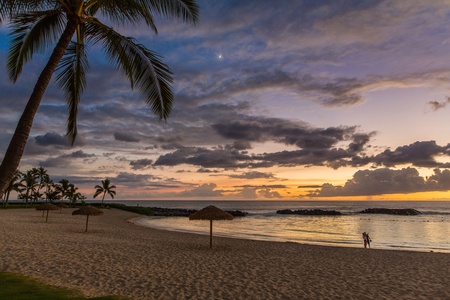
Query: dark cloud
[[125, 137], [141, 164], [313, 186], [66, 160], [386, 181], [206, 158], [52, 139], [253, 175], [302, 135], [419, 154], [436, 105], [264, 186], [203, 170]]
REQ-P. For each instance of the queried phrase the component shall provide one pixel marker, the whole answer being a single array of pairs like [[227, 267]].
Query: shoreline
[[137, 222], [119, 257]]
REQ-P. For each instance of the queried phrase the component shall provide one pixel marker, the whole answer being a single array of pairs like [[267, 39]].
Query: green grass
[[18, 287]]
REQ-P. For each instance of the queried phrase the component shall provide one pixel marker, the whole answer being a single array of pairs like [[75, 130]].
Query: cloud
[[419, 154], [302, 135], [247, 193], [51, 139], [141, 164], [66, 160], [269, 194], [135, 180], [436, 105], [204, 190], [386, 181], [125, 137], [253, 175]]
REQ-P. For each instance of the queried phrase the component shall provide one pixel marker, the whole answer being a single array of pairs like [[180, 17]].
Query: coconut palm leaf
[[9, 8], [72, 80], [142, 67], [32, 33], [130, 12]]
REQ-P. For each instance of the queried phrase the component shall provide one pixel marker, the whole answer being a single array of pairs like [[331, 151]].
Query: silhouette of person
[[368, 239], [365, 237]]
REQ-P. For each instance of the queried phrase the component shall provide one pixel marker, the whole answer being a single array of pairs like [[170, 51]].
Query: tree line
[[35, 185]]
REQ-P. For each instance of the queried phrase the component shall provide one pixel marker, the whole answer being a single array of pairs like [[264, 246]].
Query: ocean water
[[429, 231]]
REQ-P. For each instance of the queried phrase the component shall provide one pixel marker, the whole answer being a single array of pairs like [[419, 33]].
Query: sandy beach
[[119, 257]]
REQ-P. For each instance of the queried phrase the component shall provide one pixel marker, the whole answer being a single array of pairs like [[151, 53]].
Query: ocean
[[429, 231]]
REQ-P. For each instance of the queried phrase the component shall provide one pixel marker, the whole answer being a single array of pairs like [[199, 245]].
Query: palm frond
[[187, 10], [72, 80], [143, 67], [11, 8], [97, 193], [123, 12], [32, 33]]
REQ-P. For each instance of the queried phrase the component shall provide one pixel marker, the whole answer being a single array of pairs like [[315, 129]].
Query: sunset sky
[[282, 100]]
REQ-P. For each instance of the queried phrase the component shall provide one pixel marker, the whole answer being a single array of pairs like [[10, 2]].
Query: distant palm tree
[[37, 25], [52, 194], [30, 184], [64, 188], [104, 189], [43, 177], [75, 196]]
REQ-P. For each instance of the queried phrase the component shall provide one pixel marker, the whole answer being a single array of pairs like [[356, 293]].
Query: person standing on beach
[[368, 239], [365, 237]]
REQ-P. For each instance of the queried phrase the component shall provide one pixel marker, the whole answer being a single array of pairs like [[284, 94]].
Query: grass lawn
[[18, 287]]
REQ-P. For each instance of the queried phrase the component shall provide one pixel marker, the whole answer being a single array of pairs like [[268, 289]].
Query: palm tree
[[52, 193], [72, 24], [29, 183], [14, 185], [43, 177], [64, 188], [105, 188], [75, 196]]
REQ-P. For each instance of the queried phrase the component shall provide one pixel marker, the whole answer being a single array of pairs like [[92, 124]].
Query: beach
[[116, 256]]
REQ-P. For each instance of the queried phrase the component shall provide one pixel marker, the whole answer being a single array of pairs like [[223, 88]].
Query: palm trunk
[[16, 147], [103, 198]]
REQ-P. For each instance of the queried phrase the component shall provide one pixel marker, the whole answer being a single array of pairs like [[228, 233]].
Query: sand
[[119, 257]]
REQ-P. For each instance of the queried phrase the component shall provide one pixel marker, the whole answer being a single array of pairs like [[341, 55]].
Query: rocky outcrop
[[181, 212], [309, 212], [172, 212], [237, 213], [391, 211]]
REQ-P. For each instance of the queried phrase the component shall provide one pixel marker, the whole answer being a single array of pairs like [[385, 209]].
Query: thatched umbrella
[[211, 213], [88, 211], [47, 207]]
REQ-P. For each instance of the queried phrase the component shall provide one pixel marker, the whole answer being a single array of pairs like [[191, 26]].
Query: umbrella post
[[46, 219], [87, 220], [210, 234]]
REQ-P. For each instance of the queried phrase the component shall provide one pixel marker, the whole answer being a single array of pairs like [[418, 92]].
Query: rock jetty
[[391, 211], [172, 212], [309, 212], [181, 212]]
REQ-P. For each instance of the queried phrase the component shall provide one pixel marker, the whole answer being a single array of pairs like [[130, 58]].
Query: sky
[[274, 100]]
